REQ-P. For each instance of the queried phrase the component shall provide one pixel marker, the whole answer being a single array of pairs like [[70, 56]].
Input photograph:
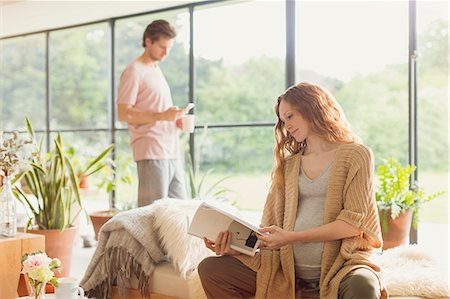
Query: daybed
[[147, 252]]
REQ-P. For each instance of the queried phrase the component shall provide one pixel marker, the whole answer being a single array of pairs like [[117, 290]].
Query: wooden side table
[[11, 251]]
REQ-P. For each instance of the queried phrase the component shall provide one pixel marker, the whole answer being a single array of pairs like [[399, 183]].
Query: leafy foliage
[[53, 182], [85, 166], [118, 171], [196, 187], [395, 194]]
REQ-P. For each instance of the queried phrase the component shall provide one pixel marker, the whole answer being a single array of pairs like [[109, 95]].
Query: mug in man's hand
[[188, 123], [68, 289]]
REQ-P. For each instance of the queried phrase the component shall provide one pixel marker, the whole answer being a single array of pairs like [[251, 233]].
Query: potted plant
[[54, 191], [115, 171], [398, 202], [84, 165]]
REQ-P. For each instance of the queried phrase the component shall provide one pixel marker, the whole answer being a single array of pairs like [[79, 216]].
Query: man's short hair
[[156, 29]]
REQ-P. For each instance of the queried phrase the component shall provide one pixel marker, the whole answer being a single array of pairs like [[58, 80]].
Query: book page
[[208, 223]]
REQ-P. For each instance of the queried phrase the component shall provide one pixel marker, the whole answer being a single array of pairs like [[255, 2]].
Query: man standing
[[145, 104]]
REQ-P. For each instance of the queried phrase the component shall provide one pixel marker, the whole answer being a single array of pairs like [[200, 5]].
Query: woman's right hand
[[221, 246]]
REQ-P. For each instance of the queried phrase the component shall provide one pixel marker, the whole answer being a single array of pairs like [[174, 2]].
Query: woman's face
[[293, 121]]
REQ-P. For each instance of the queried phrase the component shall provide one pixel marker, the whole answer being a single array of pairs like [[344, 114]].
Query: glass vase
[[8, 217], [37, 290]]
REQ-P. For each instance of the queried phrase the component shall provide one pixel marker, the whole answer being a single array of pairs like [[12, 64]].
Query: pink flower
[[36, 261]]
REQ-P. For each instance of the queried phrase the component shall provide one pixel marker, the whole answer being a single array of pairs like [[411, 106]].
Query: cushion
[[409, 270], [172, 221]]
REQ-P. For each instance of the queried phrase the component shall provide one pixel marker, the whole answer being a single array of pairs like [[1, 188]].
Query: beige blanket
[[132, 242]]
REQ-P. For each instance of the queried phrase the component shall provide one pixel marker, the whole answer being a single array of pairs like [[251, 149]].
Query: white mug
[[188, 123], [68, 289]]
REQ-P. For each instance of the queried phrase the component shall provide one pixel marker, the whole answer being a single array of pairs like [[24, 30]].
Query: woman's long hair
[[324, 115]]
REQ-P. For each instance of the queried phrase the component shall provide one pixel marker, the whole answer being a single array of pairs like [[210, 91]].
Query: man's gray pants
[[159, 179]]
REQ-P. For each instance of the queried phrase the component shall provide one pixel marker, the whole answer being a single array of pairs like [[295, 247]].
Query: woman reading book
[[320, 220]]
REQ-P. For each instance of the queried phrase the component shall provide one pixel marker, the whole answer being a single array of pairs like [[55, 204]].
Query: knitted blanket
[[133, 242]]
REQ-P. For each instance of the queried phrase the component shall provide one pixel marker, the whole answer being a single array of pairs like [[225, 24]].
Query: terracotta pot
[[99, 218], [83, 182], [59, 244], [398, 229]]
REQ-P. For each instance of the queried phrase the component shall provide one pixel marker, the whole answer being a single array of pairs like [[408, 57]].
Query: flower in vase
[[39, 269]]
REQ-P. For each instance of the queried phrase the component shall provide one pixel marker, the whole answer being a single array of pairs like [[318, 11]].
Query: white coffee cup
[[68, 289], [188, 123]]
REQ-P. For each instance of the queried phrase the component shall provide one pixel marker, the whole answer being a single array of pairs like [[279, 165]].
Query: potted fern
[[53, 194], [398, 202]]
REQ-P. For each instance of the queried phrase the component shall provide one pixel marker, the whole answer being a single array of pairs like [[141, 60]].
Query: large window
[[433, 118], [240, 66], [364, 62], [240, 71], [79, 78], [22, 83]]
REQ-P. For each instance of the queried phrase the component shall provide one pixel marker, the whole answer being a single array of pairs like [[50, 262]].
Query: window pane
[[363, 61], [175, 66], [22, 82], [79, 77], [126, 191], [240, 65], [245, 154], [433, 118]]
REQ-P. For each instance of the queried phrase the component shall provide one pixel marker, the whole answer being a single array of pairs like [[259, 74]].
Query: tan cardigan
[[350, 197]]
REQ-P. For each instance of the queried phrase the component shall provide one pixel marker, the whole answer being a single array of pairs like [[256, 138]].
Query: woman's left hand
[[221, 246], [274, 237]]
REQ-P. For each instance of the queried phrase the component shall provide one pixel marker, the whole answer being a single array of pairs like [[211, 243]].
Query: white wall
[[19, 17]]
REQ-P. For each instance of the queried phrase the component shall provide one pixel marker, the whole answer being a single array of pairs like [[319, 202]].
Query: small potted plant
[[398, 202], [116, 171], [85, 165]]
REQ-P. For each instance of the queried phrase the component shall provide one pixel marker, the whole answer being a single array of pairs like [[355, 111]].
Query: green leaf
[[199, 188], [394, 191], [216, 184], [98, 158], [29, 127], [74, 181]]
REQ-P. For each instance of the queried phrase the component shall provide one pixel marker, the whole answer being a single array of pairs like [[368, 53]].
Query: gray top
[[311, 204]]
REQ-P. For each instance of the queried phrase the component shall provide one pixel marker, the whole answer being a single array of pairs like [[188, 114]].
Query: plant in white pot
[[398, 202], [54, 192]]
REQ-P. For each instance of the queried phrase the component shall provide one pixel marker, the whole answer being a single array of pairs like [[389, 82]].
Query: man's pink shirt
[[145, 88]]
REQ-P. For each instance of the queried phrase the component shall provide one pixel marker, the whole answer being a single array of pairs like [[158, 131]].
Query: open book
[[210, 219]]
